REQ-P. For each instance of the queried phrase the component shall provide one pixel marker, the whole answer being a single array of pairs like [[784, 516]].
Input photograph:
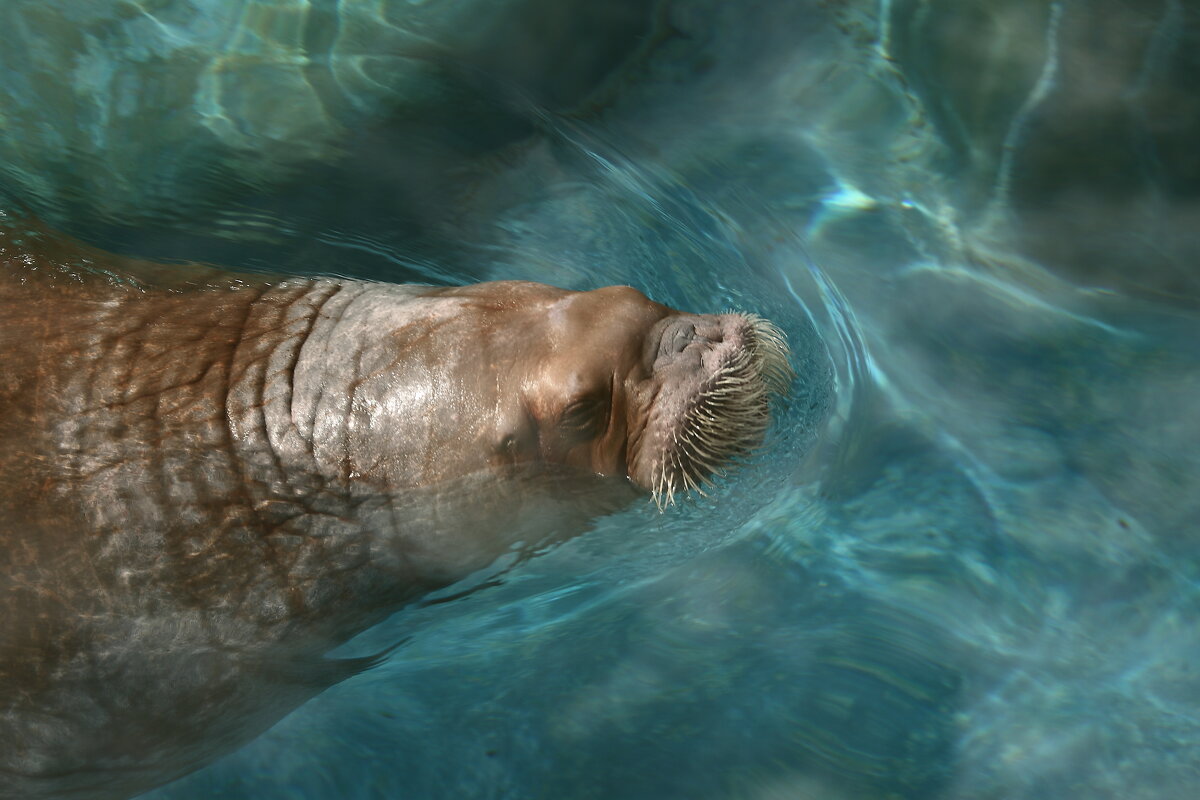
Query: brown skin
[[208, 480], [548, 375]]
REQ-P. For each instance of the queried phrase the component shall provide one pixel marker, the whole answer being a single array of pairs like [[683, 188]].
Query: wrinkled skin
[[207, 481]]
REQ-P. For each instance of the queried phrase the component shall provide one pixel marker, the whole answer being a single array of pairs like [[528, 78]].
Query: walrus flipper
[[320, 673]]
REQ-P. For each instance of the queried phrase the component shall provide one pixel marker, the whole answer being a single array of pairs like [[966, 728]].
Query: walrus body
[[207, 482]]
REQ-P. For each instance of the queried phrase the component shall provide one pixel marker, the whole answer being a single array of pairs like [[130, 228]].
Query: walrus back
[[126, 524]]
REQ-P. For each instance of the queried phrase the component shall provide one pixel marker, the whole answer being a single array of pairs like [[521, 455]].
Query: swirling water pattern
[[965, 565]]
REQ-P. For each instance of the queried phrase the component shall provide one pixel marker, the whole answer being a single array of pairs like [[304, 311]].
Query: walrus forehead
[[613, 319]]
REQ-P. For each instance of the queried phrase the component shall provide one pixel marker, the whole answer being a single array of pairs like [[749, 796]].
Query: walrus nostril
[[684, 335], [680, 334]]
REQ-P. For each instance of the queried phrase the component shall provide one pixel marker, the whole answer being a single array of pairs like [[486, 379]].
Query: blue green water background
[[965, 566]]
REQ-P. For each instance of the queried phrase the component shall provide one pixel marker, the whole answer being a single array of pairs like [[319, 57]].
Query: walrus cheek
[[599, 456], [514, 444], [648, 446]]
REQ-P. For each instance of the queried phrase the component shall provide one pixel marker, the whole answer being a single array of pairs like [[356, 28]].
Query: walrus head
[[508, 374]]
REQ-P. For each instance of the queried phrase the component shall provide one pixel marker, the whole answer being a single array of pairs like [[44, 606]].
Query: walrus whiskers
[[729, 416]]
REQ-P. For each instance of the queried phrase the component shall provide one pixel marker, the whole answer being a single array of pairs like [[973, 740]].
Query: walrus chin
[[718, 406]]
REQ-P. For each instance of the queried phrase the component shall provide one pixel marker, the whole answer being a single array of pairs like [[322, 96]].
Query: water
[[965, 566]]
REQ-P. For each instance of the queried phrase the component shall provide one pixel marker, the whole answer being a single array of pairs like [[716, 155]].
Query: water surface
[[965, 565]]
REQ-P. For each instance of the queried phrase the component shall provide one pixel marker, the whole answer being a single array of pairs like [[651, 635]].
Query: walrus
[[210, 479]]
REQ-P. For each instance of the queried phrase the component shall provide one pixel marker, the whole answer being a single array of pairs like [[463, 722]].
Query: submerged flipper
[[321, 673]]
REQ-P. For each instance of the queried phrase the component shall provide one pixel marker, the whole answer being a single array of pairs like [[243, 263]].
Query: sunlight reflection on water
[[963, 567]]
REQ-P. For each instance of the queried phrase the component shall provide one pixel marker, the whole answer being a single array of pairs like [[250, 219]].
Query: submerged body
[[207, 481]]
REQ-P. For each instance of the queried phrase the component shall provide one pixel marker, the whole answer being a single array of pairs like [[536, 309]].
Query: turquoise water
[[965, 565]]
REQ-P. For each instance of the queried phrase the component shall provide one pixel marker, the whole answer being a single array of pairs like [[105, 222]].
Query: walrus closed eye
[[207, 480]]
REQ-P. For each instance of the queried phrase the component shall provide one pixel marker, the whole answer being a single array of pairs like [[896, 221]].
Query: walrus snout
[[715, 376]]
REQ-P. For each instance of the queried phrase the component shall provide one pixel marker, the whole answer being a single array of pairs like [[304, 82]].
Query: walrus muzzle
[[720, 372]]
